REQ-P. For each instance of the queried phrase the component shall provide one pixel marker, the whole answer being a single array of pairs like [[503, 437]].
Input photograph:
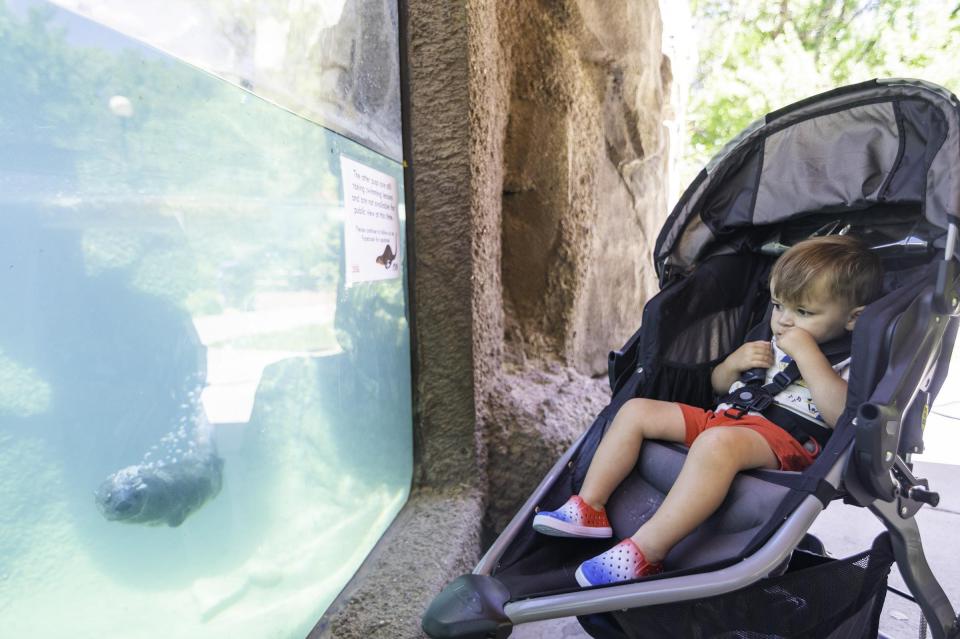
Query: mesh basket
[[816, 598]]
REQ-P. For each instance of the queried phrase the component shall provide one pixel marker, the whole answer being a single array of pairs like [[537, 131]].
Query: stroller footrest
[[470, 607]]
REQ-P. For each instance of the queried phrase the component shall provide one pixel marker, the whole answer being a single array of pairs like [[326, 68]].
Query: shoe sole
[[556, 528], [582, 579], [585, 583]]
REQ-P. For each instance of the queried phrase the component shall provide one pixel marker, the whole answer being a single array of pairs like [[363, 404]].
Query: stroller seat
[[747, 509], [713, 256]]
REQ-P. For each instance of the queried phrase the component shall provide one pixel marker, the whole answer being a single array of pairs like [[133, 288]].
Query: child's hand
[[751, 355], [797, 342]]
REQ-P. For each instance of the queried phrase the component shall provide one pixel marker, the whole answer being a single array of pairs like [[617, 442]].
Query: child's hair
[[842, 264]]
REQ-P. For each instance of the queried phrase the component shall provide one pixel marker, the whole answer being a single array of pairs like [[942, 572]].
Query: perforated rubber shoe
[[574, 519], [623, 562]]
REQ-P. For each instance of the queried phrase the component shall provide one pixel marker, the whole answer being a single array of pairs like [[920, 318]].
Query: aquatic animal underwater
[[156, 494], [175, 478]]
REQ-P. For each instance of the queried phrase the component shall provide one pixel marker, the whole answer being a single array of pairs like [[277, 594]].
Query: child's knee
[[638, 405], [635, 418], [734, 448], [630, 419], [635, 412], [721, 445]]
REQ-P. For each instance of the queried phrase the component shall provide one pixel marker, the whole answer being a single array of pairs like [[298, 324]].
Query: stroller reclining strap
[[754, 397]]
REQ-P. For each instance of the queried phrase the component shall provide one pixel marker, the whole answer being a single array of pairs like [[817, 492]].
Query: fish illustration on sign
[[386, 258]]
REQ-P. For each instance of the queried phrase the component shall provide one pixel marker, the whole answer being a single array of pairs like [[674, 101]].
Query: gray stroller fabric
[[891, 141]]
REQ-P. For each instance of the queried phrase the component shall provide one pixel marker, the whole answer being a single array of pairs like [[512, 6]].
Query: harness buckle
[[735, 412], [746, 399], [812, 446]]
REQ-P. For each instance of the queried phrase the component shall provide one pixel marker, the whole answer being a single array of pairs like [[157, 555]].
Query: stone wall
[[539, 163], [585, 157]]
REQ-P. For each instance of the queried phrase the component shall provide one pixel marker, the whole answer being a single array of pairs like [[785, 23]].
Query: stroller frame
[[696, 586], [866, 462]]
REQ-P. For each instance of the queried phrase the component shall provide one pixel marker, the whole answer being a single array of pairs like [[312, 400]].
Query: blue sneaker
[[623, 562], [576, 518]]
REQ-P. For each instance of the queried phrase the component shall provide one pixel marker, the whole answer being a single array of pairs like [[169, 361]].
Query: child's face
[[819, 314]]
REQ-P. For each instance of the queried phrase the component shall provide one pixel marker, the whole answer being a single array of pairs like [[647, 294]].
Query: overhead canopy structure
[[883, 142]]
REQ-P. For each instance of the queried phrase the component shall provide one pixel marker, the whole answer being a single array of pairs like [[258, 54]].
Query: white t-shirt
[[796, 397]]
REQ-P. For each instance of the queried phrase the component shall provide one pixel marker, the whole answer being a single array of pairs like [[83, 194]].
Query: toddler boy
[[818, 288]]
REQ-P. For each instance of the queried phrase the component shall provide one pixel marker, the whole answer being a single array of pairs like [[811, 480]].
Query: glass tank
[[205, 413]]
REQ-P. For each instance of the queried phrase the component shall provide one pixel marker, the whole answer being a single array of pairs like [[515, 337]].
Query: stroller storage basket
[[816, 598]]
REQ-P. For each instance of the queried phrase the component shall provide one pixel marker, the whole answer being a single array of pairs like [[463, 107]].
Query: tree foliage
[[759, 55]]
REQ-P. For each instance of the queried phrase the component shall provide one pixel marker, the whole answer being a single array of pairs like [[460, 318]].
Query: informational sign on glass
[[371, 224]]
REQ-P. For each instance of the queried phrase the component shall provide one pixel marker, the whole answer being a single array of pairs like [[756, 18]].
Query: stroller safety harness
[[879, 160], [754, 396]]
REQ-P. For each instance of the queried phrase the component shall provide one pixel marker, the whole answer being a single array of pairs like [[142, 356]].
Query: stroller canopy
[[887, 142]]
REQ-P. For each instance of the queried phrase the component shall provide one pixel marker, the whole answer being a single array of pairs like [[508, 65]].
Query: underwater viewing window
[[205, 395]]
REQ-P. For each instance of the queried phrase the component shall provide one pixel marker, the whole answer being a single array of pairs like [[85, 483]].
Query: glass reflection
[[199, 423], [335, 61]]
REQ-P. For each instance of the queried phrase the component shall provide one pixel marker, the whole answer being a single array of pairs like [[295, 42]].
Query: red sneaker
[[576, 518], [623, 562]]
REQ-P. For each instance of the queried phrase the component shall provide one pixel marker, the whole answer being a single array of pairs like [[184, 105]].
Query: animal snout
[[119, 503], [123, 505]]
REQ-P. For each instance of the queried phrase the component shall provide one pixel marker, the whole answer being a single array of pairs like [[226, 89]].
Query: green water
[[171, 270]]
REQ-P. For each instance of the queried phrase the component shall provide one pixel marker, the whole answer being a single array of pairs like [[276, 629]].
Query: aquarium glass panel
[[205, 414], [335, 61]]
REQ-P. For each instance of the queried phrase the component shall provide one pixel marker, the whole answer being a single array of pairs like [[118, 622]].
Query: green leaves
[[756, 57]]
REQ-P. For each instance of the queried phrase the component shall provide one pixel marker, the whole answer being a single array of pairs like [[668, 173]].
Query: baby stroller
[[880, 160]]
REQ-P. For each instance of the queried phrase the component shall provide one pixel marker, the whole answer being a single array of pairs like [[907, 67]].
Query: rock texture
[[539, 166], [357, 90], [585, 157], [432, 540], [534, 416]]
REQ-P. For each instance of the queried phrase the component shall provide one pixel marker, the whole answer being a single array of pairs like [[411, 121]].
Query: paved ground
[[846, 530]]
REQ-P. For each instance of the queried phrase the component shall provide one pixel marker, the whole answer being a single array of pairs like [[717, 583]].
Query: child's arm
[[749, 355], [828, 389]]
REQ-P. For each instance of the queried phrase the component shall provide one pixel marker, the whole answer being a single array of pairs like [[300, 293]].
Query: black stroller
[[880, 160]]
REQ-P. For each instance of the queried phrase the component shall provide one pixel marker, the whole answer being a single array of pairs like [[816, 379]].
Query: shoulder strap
[[836, 350], [760, 332], [754, 395], [760, 398]]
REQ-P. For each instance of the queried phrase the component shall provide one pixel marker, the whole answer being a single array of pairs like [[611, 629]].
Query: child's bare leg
[[637, 419], [715, 458]]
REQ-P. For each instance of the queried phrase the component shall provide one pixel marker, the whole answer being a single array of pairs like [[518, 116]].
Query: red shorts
[[791, 453]]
